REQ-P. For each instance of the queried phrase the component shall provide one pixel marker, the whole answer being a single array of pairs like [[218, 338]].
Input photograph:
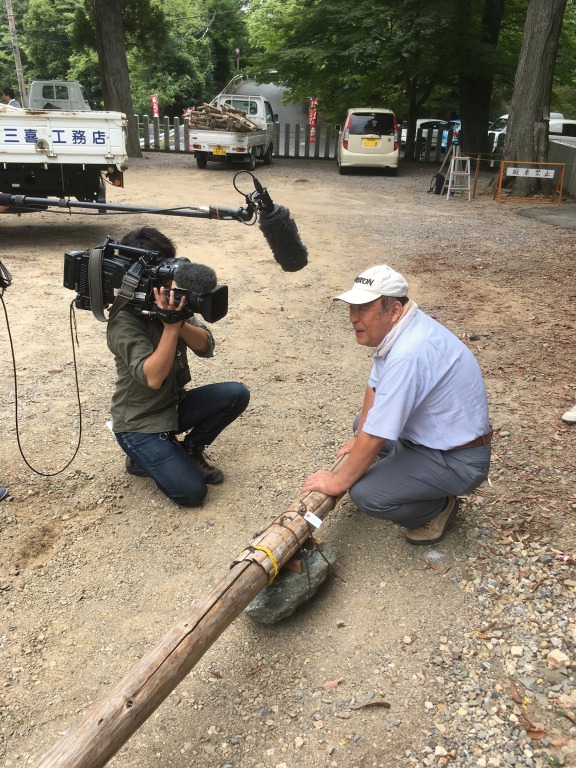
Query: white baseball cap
[[373, 283]]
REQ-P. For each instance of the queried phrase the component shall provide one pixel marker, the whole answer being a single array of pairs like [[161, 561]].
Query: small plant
[[552, 762]]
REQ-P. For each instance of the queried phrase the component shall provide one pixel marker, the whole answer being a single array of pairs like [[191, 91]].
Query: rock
[[568, 700], [558, 659], [290, 589]]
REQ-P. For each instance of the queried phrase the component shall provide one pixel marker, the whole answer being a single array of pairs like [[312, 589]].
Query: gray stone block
[[290, 589]]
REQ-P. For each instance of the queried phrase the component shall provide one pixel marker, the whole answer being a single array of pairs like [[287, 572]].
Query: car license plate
[[218, 150], [369, 142]]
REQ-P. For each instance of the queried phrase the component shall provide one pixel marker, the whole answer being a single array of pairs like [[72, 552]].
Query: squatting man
[[423, 436], [150, 404]]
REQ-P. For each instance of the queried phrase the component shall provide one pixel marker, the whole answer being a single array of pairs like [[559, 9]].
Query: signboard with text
[[510, 188]]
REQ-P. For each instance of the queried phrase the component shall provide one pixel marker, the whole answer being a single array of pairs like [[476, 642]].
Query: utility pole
[[16, 52]]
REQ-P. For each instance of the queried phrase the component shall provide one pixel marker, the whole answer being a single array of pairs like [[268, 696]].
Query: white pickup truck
[[56, 153], [237, 146]]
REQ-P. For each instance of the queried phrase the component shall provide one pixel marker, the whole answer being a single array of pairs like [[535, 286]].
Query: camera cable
[[5, 281]]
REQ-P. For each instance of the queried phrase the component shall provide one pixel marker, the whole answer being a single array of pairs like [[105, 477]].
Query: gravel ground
[[470, 643]]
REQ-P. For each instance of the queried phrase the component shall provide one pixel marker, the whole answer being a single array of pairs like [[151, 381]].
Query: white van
[[563, 130], [498, 127], [369, 139]]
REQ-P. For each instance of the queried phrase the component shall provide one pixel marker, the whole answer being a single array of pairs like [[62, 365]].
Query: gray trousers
[[410, 484]]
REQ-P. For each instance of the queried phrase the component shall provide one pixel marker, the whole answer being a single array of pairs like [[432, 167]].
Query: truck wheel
[[201, 161], [252, 160], [268, 155]]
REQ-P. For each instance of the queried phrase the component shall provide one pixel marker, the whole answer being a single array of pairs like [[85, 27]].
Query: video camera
[[117, 276]]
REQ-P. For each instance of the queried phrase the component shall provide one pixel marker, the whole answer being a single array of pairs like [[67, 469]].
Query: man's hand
[[363, 451], [325, 482], [168, 311]]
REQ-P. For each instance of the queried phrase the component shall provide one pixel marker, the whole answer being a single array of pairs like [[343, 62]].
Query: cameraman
[[150, 405]]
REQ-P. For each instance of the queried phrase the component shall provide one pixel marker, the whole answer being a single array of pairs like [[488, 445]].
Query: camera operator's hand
[[157, 366], [168, 311]]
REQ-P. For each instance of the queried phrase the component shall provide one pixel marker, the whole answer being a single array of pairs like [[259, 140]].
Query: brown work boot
[[433, 531], [212, 475], [135, 469]]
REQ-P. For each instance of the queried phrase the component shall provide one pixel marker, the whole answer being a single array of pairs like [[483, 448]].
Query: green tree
[[478, 29], [47, 28], [371, 51], [414, 56]]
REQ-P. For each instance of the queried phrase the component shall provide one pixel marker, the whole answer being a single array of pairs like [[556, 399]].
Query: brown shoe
[[135, 469], [433, 531], [212, 475]]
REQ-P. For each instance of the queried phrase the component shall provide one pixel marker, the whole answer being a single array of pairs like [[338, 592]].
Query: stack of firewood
[[224, 118]]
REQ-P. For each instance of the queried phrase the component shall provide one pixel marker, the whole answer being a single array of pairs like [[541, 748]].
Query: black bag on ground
[[437, 183]]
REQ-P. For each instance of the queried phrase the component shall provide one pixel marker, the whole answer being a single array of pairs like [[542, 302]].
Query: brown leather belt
[[484, 440]]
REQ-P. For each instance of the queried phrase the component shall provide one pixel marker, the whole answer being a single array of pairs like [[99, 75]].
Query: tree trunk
[[476, 89], [530, 105], [415, 105], [113, 65]]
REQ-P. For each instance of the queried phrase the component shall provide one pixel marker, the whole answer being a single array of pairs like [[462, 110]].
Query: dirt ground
[[96, 565]]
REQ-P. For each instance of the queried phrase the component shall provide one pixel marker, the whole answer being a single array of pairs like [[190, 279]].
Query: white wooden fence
[[173, 135]]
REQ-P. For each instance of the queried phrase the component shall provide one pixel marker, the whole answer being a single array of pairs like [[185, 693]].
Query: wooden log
[[93, 741]]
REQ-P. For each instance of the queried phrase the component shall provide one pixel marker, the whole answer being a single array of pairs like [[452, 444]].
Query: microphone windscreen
[[197, 278], [282, 235]]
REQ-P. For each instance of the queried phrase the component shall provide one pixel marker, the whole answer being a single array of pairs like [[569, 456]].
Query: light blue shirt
[[428, 389]]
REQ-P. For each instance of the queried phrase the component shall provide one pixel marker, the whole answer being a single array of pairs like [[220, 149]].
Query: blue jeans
[[203, 413]]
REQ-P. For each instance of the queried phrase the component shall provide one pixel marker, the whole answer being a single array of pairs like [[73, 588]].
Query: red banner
[[313, 119], [155, 105]]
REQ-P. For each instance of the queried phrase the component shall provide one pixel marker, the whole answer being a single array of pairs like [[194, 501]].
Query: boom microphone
[[281, 232], [197, 278], [282, 235]]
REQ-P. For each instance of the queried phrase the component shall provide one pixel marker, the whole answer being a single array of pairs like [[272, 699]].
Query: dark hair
[[387, 301], [150, 239], [8, 92]]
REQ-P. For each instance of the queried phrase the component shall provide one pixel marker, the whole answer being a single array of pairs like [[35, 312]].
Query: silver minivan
[[368, 139]]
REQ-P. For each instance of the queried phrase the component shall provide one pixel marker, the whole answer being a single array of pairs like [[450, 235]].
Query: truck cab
[[67, 95], [258, 109]]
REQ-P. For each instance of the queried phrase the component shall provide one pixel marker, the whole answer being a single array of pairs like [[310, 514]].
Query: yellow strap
[[272, 560]]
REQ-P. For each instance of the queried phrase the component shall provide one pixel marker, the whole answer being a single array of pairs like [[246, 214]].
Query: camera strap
[[125, 294], [95, 283], [127, 289]]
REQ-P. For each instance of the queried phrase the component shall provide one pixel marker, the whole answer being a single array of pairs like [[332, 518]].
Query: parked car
[[425, 124], [498, 127], [369, 139], [563, 130]]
